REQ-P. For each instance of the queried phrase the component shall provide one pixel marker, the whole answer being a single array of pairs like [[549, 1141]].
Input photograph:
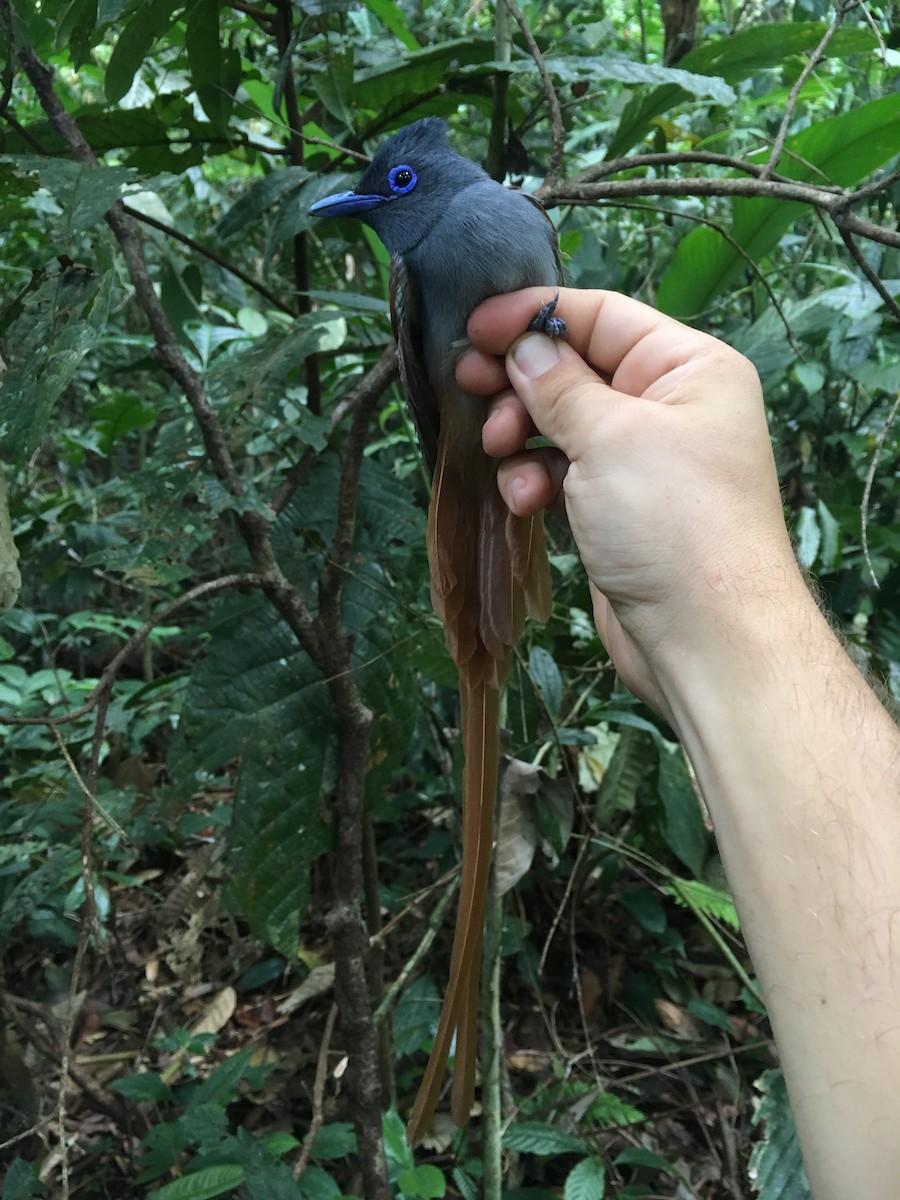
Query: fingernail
[[514, 490], [534, 354]]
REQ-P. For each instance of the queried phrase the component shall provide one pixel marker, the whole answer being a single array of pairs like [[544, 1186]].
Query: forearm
[[800, 768]]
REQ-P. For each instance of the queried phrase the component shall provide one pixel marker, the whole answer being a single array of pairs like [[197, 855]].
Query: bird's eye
[[402, 179]]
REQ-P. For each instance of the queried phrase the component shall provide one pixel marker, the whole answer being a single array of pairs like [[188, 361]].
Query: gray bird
[[456, 237]]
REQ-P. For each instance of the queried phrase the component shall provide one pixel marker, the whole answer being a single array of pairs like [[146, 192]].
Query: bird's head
[[407, 186]]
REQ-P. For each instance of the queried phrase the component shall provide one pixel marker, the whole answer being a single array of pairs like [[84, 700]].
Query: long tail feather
[[459, 1014]]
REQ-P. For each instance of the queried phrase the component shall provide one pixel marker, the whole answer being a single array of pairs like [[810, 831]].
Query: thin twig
[[870, 481], [318, 1096], [612, 166], [812, 63], [558, 132], [420, 951], [739, 250], [825, 199], [872, 275], [212, 255]]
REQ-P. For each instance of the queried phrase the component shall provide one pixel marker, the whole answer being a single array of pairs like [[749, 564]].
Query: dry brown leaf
[[217, 1013], [316, 983], [517, 831], [676, 1020]]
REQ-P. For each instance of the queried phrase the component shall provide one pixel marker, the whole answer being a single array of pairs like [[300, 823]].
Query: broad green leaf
[[546, 677], [808, 536], [145, 1086], [586, 1180], [334, 87], [841, 150], [734, 58], [75, 29], [776, 1165], [147, 22], [571, 68], [685, 831], [425, 1182], [646, 908], [640, 1156], [220, 1088], [20, 1181], [391, 15], [201, 1185], [334, 1141], [10, 576], [261, 195], [84, 193], [832, 537], [536, 1137], [213, 66], [416, 1016], [396, 1148], [415, 74], [316, 1184]]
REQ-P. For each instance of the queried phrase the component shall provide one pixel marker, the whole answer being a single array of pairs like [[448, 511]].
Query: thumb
[[564, 396]]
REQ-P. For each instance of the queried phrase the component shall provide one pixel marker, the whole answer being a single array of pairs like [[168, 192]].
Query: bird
[[457, 236]]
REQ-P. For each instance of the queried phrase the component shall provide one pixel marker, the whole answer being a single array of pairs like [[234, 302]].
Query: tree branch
[[554, 165]]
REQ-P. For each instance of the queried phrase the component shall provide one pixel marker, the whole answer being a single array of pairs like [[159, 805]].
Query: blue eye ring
[[402, 179]]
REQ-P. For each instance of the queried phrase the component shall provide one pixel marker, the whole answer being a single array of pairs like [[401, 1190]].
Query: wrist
[[741, 649]]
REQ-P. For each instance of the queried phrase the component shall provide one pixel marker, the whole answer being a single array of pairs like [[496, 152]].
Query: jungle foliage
[[228, 771]]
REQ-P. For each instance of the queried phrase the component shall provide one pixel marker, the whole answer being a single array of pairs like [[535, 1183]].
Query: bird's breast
[[488, 241]]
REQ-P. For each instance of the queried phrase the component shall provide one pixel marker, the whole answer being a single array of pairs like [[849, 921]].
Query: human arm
[[666, 469]]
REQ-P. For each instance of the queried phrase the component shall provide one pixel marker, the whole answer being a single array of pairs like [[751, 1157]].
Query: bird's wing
[[406, 319], [552, 235]]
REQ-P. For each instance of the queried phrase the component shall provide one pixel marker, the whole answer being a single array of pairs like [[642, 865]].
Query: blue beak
[[346, 204]]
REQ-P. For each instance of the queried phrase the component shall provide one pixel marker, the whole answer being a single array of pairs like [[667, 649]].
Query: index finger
[[629, 343]]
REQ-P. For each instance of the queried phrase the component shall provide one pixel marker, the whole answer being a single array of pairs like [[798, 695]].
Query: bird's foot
[[545, 322]]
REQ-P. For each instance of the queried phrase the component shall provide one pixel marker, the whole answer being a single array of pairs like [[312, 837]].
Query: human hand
[[662, 456]]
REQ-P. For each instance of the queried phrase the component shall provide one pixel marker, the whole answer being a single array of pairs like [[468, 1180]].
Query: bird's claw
[[545, 322]]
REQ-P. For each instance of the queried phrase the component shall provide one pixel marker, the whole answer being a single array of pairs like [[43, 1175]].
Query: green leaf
[[586, 1180], [202, 1185], [84, 193], [546, 677], [685, 831], [391, 16], [147, 23], [776, 1165], [20, 1182], [425, 1182], [75, 29], [416, 1016], [734, 58], [646, 908], [415, 74], [832, 538], [536, 1137], [571, 68], [145, 1086], [396, 1148], [257, 694], [640, 1156], [261, 195], [215, 71], [334, 1141], [709, 900], [316, 1184], [808, 536], [841, 150]]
